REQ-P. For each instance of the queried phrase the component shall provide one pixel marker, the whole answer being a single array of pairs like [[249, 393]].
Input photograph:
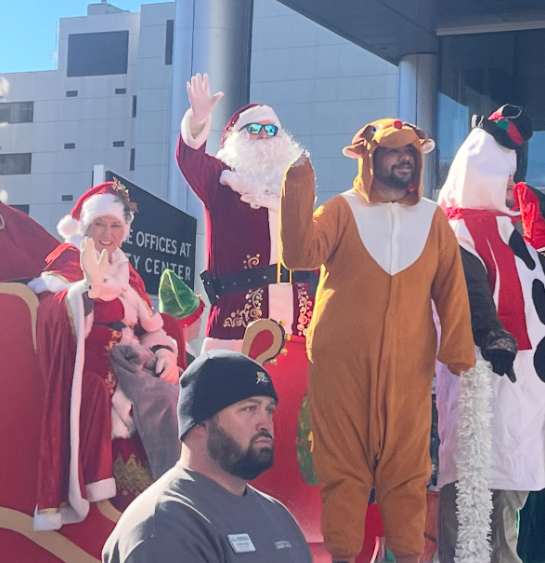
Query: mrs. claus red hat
[[101, 200]]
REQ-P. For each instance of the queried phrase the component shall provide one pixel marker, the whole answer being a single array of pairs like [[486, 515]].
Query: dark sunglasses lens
[[254, 128], [271, 130]]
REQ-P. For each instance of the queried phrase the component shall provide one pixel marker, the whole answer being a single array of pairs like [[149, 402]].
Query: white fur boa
[[474, 499]]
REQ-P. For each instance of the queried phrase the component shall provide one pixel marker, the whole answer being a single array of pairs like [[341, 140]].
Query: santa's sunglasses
[[255, 129]]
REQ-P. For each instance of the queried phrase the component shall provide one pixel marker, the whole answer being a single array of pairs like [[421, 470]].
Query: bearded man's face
[[395, 167], [240, 438]]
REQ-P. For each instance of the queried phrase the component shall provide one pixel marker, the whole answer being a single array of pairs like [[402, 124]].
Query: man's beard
[[392, 180], [233, 459], [259, 165]]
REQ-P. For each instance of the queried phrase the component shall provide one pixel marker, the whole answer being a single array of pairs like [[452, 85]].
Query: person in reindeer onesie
[[240, 190], [506, 286], [385, 252]]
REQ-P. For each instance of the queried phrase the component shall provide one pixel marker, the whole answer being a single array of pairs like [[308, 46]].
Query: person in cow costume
[[240, 190], [506, 286], [530, 202]]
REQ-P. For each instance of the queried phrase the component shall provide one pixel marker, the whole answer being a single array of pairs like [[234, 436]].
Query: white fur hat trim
[[257, 114], [99, 205]]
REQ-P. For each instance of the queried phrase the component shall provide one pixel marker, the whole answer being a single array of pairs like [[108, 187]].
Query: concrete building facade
[[110, 102]]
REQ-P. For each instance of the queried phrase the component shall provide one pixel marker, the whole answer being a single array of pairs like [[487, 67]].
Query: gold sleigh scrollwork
[[251, 311]]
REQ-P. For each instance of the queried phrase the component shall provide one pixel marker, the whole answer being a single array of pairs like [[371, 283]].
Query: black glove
[[499, 348]]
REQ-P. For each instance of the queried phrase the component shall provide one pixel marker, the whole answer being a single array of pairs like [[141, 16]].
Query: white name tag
[[241, 543]]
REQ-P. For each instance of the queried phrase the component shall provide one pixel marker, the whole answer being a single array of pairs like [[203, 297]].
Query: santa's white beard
[[258, 165]]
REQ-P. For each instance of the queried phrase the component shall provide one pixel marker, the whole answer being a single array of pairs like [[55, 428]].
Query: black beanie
[[216, 380]]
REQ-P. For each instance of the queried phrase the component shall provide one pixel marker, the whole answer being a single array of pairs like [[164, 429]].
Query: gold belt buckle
[[279, 275]]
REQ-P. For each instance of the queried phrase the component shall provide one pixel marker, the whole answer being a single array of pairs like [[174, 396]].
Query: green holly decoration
[[304, 446]]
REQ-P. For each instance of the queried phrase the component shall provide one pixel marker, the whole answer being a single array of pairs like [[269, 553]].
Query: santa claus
[[244, 280], [240, 189]]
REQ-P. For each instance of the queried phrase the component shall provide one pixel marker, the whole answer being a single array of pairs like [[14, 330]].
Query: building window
[[98, 54], [169, 42], [16, 163], [121, 90], [134, 106], [23, 207], [71, 93], [481, 72], [131, 164], [119, 144], [17, 112], [69, 145], [67, 198]]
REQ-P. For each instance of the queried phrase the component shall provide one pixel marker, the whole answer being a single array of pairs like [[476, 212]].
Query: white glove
[[94, 270], [202, 103], [166, 366]]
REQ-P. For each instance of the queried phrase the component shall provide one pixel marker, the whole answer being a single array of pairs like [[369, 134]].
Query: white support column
[[418, 95]]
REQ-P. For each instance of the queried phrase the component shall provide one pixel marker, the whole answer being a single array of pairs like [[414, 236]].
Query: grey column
[[418, 96], [212, 36]]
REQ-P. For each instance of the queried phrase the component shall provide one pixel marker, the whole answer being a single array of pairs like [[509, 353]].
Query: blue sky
[[28, 30]]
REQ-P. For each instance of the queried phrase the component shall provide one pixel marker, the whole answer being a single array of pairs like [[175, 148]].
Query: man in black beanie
[[203, 510]]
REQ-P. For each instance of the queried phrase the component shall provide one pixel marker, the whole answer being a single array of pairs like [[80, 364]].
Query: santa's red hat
[[252, 113], [104, 199]]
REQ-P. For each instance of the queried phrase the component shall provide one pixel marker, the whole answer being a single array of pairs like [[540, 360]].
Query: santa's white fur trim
[[474, 498], [101, 490], [257, 114], [67, 226], [198, 141], [47, 521]]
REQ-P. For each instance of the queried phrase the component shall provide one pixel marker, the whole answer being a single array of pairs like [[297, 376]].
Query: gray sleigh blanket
[[154, 404]]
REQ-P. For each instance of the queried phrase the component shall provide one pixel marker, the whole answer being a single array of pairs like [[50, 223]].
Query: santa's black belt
[[115, 325], [249, 279]]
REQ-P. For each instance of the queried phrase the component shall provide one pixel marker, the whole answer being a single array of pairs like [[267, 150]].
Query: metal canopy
[[394, 28]]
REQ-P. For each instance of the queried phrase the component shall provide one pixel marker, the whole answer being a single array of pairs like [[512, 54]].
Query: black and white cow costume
[[506, 286]]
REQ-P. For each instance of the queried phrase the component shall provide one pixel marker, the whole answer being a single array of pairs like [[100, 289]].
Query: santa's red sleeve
[[201, 171]]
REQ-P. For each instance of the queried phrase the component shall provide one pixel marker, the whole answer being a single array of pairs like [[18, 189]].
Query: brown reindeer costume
[[372, 342]]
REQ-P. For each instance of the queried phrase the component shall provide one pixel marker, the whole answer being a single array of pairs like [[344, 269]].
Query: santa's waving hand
[[202, 103]]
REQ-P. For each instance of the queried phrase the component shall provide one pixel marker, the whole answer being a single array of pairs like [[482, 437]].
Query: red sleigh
[[21, 399]]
